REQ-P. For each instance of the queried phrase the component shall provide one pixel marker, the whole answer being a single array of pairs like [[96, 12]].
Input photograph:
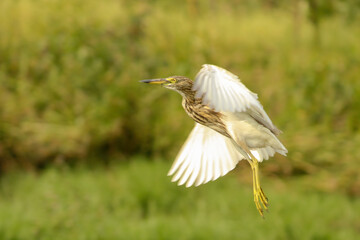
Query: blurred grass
[[69, 80], [136, 200]]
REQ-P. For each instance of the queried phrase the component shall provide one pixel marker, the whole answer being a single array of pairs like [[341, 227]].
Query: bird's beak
[[155, 81]]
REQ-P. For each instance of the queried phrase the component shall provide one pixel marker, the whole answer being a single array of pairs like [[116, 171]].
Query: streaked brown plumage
[[195, 108]]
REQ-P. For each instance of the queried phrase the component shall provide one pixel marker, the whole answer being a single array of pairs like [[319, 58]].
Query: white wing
[[206, 155], [223, 91]]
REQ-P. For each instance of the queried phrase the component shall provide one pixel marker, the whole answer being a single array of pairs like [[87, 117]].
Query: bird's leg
[[263, 198], [256, 197], [259, 195]]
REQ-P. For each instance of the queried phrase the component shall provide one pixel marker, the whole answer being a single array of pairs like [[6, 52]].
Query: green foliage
[[69, 78], [137, 201]]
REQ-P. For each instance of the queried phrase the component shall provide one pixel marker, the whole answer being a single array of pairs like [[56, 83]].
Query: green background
[[85, 148]]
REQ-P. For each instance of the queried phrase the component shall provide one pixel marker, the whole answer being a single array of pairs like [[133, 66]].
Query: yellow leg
[[261, 201], [263, 198], [256, 199], [259, 196]]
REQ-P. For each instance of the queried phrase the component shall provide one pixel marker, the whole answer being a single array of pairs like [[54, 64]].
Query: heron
[[230, 125]]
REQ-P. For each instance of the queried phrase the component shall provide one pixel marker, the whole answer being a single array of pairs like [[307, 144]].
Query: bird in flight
[[231, 125]]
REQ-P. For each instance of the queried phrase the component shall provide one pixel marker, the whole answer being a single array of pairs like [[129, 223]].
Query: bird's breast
[[204, 115]]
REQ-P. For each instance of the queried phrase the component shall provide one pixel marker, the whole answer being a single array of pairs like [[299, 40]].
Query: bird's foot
[[261, 201]]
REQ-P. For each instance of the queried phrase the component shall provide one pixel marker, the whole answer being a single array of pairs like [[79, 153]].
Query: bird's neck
[[190, 99], [189, 96]]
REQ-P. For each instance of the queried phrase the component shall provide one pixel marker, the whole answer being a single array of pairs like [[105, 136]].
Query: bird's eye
[[172, 80]]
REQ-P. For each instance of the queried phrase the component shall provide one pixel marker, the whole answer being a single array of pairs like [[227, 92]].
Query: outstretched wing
[[224, 92], [206, 155]]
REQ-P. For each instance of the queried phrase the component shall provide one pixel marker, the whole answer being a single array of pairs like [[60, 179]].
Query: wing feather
[[209, 162], [224, 92], [262, 154], [206, 155], [202, 173]]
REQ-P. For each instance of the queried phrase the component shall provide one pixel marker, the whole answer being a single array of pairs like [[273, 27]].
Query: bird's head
[[180, 84]]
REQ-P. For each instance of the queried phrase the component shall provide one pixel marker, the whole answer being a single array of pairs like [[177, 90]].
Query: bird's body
[[230, 125]]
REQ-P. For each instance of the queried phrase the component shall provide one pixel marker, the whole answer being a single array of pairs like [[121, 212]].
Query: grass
[[136, 200]]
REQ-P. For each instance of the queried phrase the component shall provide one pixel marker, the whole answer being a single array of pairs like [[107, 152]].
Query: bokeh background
[[85, 148]]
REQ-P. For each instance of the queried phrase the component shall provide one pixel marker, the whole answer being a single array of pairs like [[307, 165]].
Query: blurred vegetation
[[69, 74], [135, 200]]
